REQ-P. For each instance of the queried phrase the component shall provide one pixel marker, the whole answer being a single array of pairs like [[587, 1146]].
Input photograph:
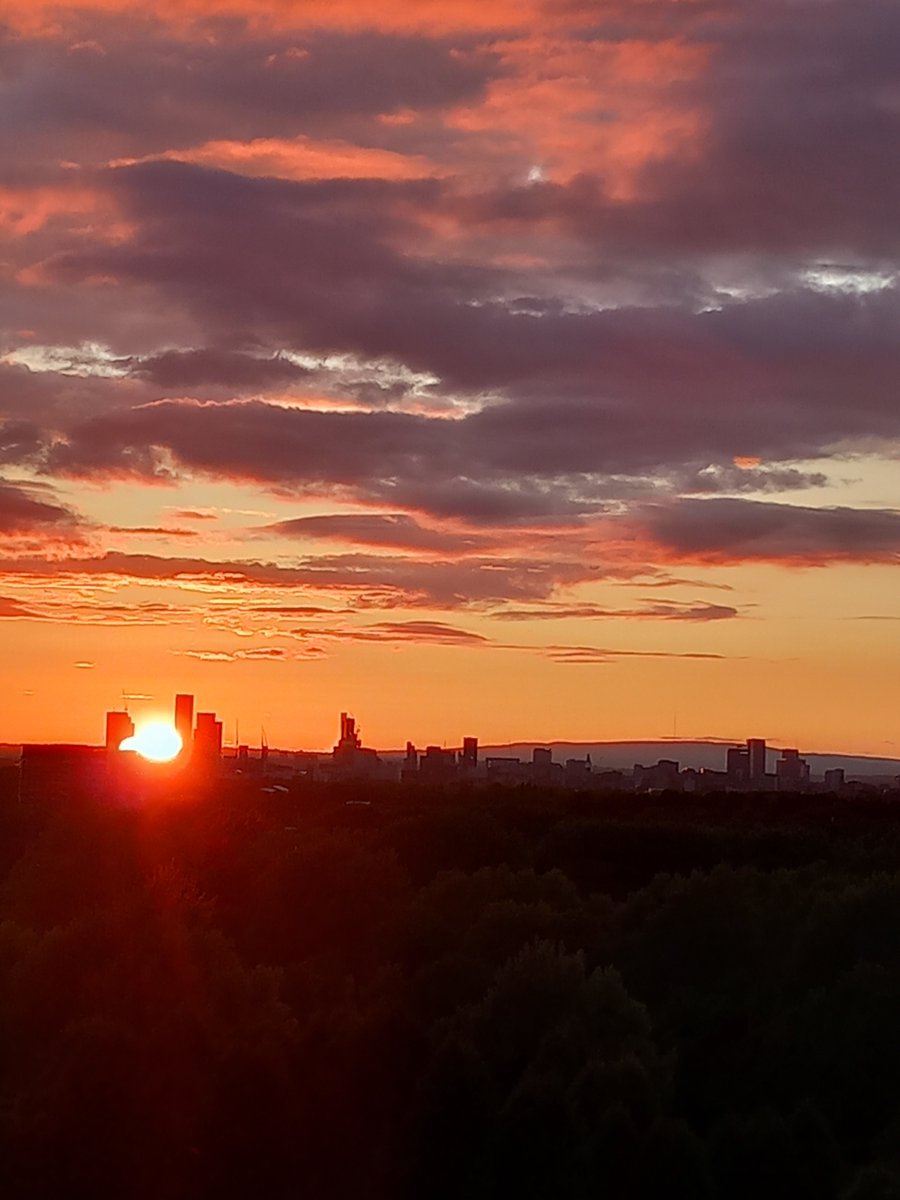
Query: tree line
[[369, 991]]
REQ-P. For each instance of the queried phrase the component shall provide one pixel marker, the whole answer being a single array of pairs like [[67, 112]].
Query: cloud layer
[[506, 300]]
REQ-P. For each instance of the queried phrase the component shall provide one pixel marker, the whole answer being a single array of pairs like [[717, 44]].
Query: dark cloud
[[619, 392], [792, 156], [372, 580], [27, 508], [777, 379], [562, 352], [130, 88], [31, 401], [729, 530], [389, 530], [187, 369]]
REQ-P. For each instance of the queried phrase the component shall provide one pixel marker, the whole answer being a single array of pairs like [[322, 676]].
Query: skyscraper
[[737, 767], [756, 753], [119, 726], [791, 770], [349, 739], [207, 740], [184, 720]]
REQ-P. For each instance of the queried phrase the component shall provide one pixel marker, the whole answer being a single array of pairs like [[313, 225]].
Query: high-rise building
[[756, 754], [437, 764], [663, 776], [350, 759], [792, 771], [184, 720], [469, 757], [119, 726], [349, 739], [737, 768], [207, 739]]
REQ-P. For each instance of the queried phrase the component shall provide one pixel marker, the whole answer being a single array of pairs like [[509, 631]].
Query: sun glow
[[157, 742]]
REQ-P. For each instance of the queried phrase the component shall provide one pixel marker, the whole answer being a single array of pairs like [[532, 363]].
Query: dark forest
[[391, 993]]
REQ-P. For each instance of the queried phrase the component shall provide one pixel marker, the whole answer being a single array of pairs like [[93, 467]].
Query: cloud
[[252, 654], [732, 530], [24, 508], [387, 530], [152, 531], [232, 85], [666, 611], [10, 608], [437, 633], [298, 610], [673, 387], [304, 158], [30, 517], [600, 655], [47, 17], [539, 296], [235, 370], [371, 580], [59, 609]]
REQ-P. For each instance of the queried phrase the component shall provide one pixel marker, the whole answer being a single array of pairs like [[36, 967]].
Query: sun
[[157, 741]]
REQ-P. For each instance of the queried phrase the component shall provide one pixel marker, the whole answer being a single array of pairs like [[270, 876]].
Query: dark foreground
[[439, 996]]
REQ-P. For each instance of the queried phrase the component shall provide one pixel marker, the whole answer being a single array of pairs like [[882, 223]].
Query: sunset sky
[[521, 369]]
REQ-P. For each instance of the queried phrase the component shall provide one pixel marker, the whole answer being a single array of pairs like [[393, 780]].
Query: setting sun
[[157, 741]]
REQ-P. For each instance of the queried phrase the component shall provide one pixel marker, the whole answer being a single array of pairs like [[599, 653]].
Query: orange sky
[[525, 371]]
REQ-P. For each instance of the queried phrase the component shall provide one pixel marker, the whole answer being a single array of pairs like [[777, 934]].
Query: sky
[[526, 370]]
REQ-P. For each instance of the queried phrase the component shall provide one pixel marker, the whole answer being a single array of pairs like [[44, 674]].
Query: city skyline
[[183, 732], [182, 756], [533, 364]]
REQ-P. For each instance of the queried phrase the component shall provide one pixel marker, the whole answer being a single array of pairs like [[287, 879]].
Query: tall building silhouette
[[119, 726], [737, 768], [349, 758], [184, 720], [756, 754], [349, 739], [207, 740], [792, 771]]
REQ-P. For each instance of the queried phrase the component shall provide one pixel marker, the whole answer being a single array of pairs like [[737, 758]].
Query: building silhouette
[[756, 759], [349, 758], [184, 722], [737, 767], [119, 726], [468, 759], [834, 780], [791, 771], [664, 776], [207, 744]]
